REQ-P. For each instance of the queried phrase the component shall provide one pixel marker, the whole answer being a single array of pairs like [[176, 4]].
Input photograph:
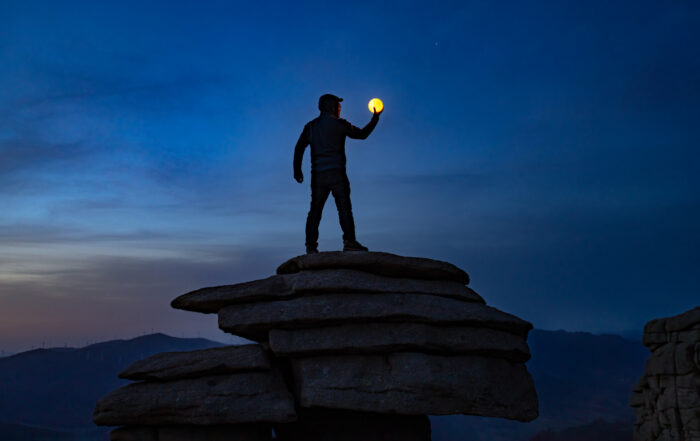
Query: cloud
[[138, 161], [56, 85], [24, 155], [103, 296], [453, 179], [44, 233]]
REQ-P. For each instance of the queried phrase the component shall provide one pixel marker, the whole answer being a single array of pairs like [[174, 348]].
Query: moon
[[375, 103]]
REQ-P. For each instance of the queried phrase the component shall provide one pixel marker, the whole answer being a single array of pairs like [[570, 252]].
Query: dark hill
[[598, 370], [19, 432], [59, 387], [598, 430]]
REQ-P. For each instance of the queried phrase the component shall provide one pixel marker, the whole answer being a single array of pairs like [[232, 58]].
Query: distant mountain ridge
[[58, 388], [580, 378], [599, 430]]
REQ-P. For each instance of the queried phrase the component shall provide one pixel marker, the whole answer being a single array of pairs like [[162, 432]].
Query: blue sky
[[550, 150]]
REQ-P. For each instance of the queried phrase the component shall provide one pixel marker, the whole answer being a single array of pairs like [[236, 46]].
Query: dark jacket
[[326, 134]]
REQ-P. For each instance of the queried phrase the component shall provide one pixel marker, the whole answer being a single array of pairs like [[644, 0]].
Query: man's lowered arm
[[363, 133], [299, 153]]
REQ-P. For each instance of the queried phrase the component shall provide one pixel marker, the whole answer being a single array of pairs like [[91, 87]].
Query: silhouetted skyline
[[548, 149]]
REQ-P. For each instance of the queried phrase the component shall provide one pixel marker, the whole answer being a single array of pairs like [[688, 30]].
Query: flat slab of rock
[[211, 299], [683, 327], [222, 399], [234, 432], [378, 263], [414, 383], [334, 425], [192, 364], [368, 338], [254, 320]]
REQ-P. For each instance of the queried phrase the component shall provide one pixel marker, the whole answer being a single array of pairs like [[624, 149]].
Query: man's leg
[[319, 193], [341, 194]]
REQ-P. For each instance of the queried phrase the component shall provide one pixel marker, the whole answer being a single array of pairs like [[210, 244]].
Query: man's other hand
[[299, 176], [375, 111]]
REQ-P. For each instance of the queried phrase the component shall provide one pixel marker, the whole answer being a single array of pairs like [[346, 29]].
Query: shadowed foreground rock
[[240, 432], [385, 264], [280, 287], [409, 383], [219, 399], [369, 338], [210, 394], [194, 364], [368, 345], [666, 399], [254, 320], [329, 425]]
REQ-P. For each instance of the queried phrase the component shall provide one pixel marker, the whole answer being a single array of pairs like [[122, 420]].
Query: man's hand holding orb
[[376, 106]]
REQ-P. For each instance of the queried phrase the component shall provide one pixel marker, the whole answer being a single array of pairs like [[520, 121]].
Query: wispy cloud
[[460, 179], [117, 296], [24, 156]]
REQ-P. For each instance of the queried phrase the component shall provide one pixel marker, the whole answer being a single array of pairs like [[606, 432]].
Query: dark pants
[[322, 184]]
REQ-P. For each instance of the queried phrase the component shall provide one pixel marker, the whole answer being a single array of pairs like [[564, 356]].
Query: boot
[[353, 245], [311, 249]]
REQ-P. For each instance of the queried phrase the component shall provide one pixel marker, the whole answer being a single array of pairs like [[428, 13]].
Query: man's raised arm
[[299, 153], [363, 133]]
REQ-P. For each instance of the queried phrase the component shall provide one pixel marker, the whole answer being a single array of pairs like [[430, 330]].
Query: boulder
[[193, 364], [211, 299], [369, 343], [378, 263], [666, 399], [223, 399], [234, 432], [653, 340], [368, 338], [684, 327], [254, 320], [687, 320], [410, 383]]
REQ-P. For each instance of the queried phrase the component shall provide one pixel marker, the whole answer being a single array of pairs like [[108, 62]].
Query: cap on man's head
[[329, 103]]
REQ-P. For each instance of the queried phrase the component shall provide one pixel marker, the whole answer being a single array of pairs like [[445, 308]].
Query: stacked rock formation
[[368, 344], [229, 393], [666, 399]]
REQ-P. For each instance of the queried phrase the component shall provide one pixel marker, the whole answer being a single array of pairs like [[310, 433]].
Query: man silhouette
[[326, 135]]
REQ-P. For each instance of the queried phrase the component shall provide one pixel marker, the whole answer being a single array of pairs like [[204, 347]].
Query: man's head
[[330, 104]]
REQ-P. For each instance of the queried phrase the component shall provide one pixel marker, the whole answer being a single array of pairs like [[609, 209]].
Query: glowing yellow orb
[[375, 103]]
